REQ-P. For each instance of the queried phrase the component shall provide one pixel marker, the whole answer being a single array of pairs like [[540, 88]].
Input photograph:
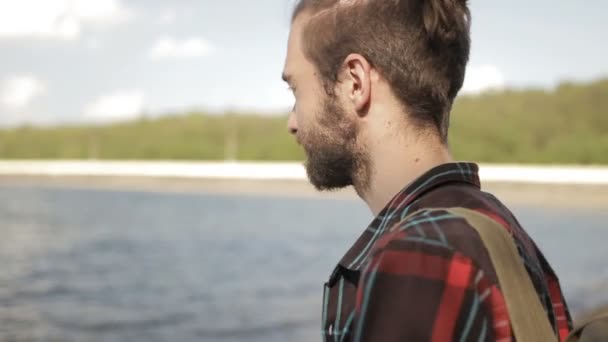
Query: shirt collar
[[466, 173]]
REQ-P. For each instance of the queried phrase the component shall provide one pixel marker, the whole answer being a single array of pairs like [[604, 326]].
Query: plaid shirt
[[429, 278]]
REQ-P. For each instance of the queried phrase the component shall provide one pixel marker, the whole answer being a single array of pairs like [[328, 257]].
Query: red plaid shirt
[[429, 277]]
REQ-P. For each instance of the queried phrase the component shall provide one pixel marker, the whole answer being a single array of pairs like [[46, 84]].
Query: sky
[[98, 61]]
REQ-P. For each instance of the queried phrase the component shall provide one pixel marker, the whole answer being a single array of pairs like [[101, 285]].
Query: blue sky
[[72, 61]]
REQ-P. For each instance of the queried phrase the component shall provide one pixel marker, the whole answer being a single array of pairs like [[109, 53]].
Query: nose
[[292, 123]]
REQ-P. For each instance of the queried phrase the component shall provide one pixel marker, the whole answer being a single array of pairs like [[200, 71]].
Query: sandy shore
[[511, 193]]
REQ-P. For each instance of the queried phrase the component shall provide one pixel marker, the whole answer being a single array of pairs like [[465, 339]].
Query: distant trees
[[566, 125]]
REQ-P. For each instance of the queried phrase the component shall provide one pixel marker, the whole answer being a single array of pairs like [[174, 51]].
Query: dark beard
[[334, 160]]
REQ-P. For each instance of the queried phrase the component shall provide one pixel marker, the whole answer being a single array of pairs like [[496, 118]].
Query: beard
[[334, 158]]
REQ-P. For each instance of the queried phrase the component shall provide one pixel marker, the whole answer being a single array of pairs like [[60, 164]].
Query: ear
[[357, 81]]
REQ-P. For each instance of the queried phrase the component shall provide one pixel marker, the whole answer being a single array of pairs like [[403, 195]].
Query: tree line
[[565, 125]]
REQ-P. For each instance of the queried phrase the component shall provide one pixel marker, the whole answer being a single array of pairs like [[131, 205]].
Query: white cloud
[[99, 11], [482, 77], [18, 92], [121, 105], [171, 48], [168, 17], [56, 19], [92, 44]]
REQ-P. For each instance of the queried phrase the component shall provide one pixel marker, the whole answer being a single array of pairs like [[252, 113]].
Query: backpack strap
[[528, 318]]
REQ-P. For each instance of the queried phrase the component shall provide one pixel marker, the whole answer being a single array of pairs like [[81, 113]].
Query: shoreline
[[553, 195]]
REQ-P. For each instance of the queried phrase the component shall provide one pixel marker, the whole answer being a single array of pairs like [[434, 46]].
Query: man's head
[[350, 61]]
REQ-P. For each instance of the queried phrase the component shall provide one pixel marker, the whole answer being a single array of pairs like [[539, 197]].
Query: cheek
[[309, 111], [305, 115], [304, 124]]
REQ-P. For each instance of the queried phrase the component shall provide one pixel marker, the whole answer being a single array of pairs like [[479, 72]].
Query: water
[[81, 265]]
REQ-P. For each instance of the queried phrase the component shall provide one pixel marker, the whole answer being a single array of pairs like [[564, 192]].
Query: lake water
[[84, 265]]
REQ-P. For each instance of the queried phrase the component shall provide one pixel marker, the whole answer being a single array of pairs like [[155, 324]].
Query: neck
[[394, 166]]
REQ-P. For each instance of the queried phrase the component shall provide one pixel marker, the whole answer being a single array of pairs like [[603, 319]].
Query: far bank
[[550, 195]]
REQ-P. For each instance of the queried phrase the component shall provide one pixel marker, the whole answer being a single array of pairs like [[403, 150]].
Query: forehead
[[295, 59]]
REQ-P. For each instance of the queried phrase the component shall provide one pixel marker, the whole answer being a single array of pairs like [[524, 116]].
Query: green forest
[[565, 125]]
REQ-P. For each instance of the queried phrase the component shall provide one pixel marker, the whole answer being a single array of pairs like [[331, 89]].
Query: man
[[374, 82]]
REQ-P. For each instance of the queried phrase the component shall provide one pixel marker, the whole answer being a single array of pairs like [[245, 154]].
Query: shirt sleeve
[[416, 287]]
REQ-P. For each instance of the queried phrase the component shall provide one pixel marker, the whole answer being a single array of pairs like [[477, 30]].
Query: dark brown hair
[[421, 47]]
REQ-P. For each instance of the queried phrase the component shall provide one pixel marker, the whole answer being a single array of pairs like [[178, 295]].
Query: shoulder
[[435, 226], [435, 259], [435, 233]]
